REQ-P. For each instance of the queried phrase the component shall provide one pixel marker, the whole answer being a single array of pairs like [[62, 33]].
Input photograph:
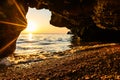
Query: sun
[[31, 27]]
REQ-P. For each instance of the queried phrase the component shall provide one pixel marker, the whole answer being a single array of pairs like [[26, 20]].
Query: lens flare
[[18, 7], [14, 24], [31, 27], [6, 46]]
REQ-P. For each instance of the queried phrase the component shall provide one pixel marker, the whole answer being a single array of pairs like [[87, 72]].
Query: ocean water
[[42, 43], [32, 48]]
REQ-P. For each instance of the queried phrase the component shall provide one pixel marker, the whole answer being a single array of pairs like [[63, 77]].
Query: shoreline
[[93, 62]]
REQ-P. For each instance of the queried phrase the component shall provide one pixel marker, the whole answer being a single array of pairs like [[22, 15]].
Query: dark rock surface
[[93, 20], [12, 22]]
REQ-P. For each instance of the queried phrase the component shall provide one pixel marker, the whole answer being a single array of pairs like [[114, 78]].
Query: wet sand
[[95, 62]]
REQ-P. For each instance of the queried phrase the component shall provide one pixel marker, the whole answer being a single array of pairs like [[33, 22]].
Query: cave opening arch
[[40, 19]]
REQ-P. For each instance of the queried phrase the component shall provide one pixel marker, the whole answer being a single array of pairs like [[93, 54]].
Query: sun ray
[[6, 46], [18, 7], [14, 24], [21, 21]]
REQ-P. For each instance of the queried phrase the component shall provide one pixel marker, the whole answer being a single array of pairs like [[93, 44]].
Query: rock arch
[[93, 20]]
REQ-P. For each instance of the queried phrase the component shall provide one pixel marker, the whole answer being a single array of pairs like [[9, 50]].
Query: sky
[[38, 22]]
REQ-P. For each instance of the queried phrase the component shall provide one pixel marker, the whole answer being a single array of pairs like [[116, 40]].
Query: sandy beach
[[94, 62]]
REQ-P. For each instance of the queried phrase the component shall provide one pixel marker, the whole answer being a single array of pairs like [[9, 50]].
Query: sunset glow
[[31, 27], [38, 22]]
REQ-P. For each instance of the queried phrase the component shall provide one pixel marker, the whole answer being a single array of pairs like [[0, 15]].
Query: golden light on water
[[30, 36]]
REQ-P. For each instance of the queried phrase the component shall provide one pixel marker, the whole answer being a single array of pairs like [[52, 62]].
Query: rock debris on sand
[[94, 62]]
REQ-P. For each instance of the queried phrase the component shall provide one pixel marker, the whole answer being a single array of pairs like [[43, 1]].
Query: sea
[[42, 43], [31, 48]]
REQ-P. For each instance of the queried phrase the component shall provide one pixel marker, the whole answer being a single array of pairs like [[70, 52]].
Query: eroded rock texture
[[91, 20], [12, 22]]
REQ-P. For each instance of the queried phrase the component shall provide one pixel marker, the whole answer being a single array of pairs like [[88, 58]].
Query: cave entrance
[[40, 36], [38, 22]]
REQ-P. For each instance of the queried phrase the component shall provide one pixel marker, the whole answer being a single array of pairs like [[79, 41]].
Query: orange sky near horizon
[[38, 22]]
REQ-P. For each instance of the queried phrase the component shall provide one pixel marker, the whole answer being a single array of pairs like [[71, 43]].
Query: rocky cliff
[[12, 22], [90, 20], [93, 20]]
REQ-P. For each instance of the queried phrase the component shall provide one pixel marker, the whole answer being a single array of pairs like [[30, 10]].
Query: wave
[[46, 43], [43, 42]]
